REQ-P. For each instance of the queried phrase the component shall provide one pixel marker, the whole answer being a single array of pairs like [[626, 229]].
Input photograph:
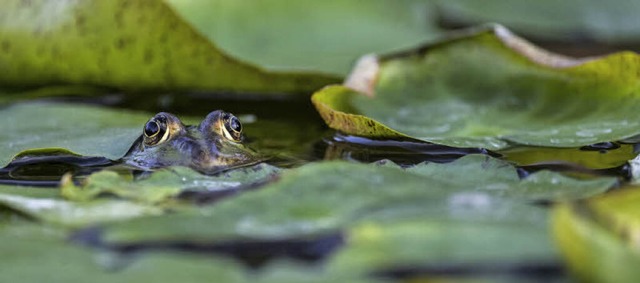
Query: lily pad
[[593, 158], [498, 177], [435, 242], [598, 238], [73, 214], [328, 40], [38, 256], [82, 129], [166, 184], [487, 88], [26, 191], [128, 45], [391, 218], [304, 202], [613, 21]]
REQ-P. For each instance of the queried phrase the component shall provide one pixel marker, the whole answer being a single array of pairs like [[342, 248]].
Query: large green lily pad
[[598, 238], [498, 177], [390, 217], [612, 21], [329, 39], [84, 130], [36, 255], [41, 254], [167, 183], [73, 214], [487, 88], [437, 238], [132, 45], [304, 202]]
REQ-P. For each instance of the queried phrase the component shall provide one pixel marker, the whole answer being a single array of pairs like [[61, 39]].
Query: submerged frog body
[[214, 145]]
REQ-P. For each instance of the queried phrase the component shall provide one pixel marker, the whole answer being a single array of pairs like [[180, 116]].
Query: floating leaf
[[391, 218], [329, 40], [483, 173], [485, 88], [166, 183], [85, 130], [561, 21], [33, 192], [593, 158], [73, 214], [132, 45], [304, 202], [599, 237], [44, 254], [41, 256], [430, 238]]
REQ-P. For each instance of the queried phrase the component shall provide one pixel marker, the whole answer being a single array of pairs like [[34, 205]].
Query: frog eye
[[232, 128], [155, 131]]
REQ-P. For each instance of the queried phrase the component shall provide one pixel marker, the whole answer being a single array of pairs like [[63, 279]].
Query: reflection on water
[[401, 152], [46, 170]]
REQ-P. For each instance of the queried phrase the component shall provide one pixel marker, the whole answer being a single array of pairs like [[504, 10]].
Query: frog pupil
[[151, 128], [235, 125]]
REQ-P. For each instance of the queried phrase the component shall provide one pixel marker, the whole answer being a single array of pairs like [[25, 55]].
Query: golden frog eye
[[155, 131], [232, 128]]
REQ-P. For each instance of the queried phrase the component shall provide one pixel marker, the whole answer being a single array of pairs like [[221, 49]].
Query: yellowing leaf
[[487, 88], [133, 45]]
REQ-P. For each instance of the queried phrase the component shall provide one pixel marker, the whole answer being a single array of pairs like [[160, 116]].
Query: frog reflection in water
[[214, 145]]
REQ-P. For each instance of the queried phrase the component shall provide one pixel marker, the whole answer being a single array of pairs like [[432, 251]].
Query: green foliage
[[487, 88], [566, 21], [597, 237], [476, 218], [84, 130], [165, 184], [129, 45], [324, 36]]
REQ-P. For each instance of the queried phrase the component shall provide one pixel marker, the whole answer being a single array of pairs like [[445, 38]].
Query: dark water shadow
[[254, 253], [47, 170]]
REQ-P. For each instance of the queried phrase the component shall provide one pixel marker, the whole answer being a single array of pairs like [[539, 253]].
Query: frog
[[216, 144]]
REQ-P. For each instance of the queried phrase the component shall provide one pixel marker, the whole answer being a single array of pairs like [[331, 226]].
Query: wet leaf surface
[[368, 218], [29, 247], [85, 130], [495, 176], [73, 214], [462, 236], [512, 93], [168, 183], [58, 261]]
